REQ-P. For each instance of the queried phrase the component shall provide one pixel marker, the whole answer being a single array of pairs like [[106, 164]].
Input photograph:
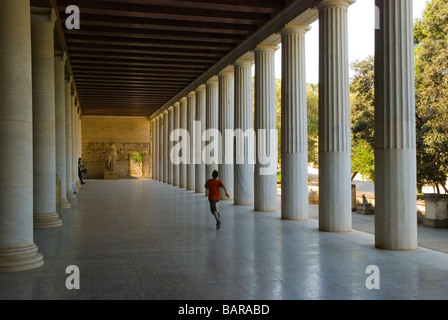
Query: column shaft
[[395, 136], [294, 125], [201, 118], [170, 145], [44, 119], [61, 161], [176, 125], [17, 250], [212, 118], [68, 137], [334, 118], [166, 121], [226, 122], [191, 116], [156, 148], [161, 149], [183, 125], [244, 156], [265, 177]]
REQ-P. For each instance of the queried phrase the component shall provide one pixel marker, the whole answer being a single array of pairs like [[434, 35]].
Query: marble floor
[[141, 239]]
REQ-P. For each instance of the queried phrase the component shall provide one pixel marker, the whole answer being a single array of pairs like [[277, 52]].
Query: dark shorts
[[213, 205]]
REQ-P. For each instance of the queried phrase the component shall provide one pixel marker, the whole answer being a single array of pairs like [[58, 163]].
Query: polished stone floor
[[141, 239]]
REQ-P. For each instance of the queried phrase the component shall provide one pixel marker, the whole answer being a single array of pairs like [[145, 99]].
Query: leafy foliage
[[431, 77]]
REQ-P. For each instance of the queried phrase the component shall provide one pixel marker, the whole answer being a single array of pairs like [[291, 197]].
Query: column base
[[65, 204], [47, 220], [20, 259]]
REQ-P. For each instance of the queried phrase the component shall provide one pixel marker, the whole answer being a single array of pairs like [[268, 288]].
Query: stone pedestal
[[436, 211], [365, 207], [110, 175], [17, 250]]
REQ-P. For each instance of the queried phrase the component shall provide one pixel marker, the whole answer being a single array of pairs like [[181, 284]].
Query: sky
[[361, 27]]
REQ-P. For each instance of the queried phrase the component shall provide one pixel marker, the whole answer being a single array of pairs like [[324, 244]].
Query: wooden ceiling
[[130, 57]]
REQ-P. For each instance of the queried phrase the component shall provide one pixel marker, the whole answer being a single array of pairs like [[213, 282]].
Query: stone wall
[[129, 134]]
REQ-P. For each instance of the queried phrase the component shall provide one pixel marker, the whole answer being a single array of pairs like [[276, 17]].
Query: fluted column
[[17, 249], [244, 156], [294, 143], [156, 148], [265, 177], [191, 116], [170, 164], [211, 121], [68, 137], [183, 125], [395, 136], [166, 121], [226, 122], [201, 118], [61, 161], [44, 128], [73, 146], [176, 125], [334, 118], [161, 147]]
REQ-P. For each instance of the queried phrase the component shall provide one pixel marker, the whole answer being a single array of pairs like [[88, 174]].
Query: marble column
[[265, 176], [68, 137], [226, 122], [61, 152], [395, 134], [294, 134], [166, 121], [44, 127], [201, 118], [183, 125], [17, 249], [156, 148], [75, 144], [334, 118], [191, 116], [161, 149], [170, 165], [176, 125], [244, 156], [211, 121]]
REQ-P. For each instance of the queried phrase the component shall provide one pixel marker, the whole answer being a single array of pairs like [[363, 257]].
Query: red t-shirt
[[213, 186]]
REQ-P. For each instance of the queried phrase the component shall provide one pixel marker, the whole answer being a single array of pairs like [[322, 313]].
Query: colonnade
[[228, 105], [40, 132]]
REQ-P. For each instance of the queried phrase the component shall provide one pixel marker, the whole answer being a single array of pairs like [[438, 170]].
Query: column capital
[[266, 48], [295, 28], [227, 71], [171, 108], [192, 94], [183, 100], [212, 80], [335, 4], [176, 105], [165, 113], [243, 63], [45, 14], [201, 88]]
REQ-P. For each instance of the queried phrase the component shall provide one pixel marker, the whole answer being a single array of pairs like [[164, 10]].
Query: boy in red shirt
[[214, 196]]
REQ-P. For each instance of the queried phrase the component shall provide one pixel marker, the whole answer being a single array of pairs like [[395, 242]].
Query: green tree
[[312, 96], [362, 117], [431, 79]]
